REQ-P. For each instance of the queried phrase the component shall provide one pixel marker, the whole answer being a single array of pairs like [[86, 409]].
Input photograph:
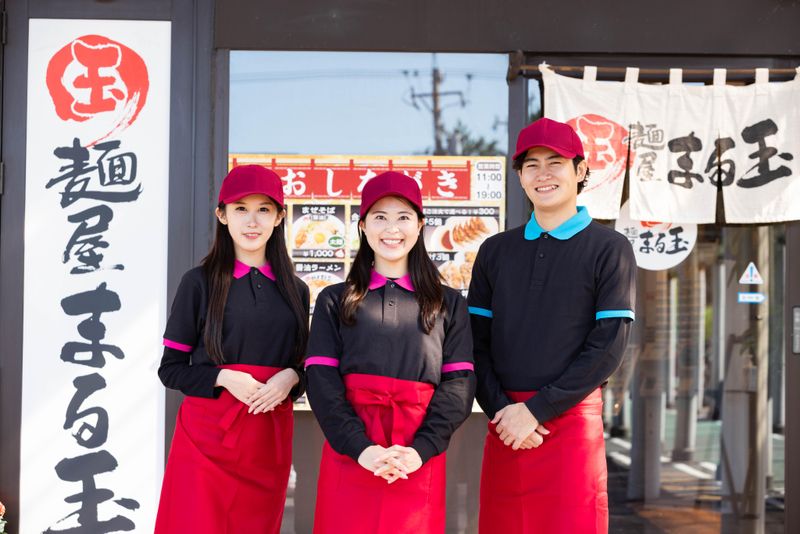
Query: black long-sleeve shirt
[[387, 340], [551, 312], [258, 328]]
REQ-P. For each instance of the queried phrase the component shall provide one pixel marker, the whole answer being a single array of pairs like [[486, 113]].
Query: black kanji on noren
[[723, 169], [756, 134], [685, 145]]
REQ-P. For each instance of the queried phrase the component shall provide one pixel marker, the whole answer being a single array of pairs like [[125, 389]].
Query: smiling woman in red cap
[[390, 375], [551, 305], [234, 342]]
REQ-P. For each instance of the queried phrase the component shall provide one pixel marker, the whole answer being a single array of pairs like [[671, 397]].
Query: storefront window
[[367, 103], [685, 449], [327, 121], [679, 421]]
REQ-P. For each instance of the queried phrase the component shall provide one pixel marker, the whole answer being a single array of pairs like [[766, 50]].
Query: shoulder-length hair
[[218, 268], [425, 276]]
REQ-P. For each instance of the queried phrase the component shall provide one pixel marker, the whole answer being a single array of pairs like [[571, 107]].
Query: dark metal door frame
[[792, 428], [197, 153]]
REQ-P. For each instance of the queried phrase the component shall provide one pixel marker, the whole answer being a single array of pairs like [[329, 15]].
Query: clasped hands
[[518, 428], [390, 463], [260, 397]]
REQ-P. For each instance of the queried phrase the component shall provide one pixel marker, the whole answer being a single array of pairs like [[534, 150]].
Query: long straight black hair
[[218, 268], [425, 276]]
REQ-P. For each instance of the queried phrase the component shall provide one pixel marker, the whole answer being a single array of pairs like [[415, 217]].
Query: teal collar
[[565, 230]]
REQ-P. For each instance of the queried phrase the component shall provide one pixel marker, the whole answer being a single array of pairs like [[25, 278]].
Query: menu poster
[[453, 235], [462, 195], [353, 234], [317, 231], [318, 275]]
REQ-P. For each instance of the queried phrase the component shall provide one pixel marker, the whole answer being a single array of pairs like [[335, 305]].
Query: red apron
[[227, 470], [352, 500], [559, 486]]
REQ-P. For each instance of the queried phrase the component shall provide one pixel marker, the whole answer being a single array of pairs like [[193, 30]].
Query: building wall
[[744, 31]]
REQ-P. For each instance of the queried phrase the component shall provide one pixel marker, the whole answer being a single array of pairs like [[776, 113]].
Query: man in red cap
[[551, 305]]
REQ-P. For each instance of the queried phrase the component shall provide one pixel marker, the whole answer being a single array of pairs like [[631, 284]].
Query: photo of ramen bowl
[[310, 233], [318, 281]]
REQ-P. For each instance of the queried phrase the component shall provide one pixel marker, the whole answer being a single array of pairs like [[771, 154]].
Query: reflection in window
[[368, 103]]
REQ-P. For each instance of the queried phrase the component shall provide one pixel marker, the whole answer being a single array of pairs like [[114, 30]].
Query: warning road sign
[[751, 275]]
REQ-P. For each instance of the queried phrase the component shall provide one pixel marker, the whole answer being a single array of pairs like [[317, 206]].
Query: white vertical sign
[[96, 204]]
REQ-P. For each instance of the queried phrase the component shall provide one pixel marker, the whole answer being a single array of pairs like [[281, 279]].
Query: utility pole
[[435, 105], [437, 113]]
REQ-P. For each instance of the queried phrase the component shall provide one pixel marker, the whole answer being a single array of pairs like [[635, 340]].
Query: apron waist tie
[[395, 403]]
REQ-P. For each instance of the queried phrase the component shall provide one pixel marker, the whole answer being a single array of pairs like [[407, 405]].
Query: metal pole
[[644, 477], [690, 312], [744, 417], [621, 425], [702, 335], [775, 395], [608, 407], [761, 437], [672, 353], [777, 348], [735, 401], [517, 203], [792, 376], [719, 299], [621, 383]]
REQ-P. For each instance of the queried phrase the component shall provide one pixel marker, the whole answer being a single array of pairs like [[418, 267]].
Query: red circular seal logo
[[606, 148], [95, 76]]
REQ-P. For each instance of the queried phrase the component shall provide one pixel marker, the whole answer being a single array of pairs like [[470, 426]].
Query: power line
[[435, 106], [278, 76]]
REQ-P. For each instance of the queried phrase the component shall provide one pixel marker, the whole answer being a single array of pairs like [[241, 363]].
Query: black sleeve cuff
[[209, 380], [541, 408], [297, 391], [356, 445], [424, 448], [491, 404]]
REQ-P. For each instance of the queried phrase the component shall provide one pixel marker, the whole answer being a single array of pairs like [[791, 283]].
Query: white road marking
[[689, 470], [620, 458], [624, 459], [620, 443], [711, 466]]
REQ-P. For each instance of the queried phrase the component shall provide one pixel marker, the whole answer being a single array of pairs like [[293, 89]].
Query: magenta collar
[[377, 280], [240, 269]]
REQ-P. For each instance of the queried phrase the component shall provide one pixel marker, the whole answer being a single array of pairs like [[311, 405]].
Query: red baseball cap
[[246, 180], [552, 134], [390, 184]]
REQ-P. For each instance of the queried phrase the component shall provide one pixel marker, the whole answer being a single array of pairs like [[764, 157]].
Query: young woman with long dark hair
[[234, 345], [390, 374]]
